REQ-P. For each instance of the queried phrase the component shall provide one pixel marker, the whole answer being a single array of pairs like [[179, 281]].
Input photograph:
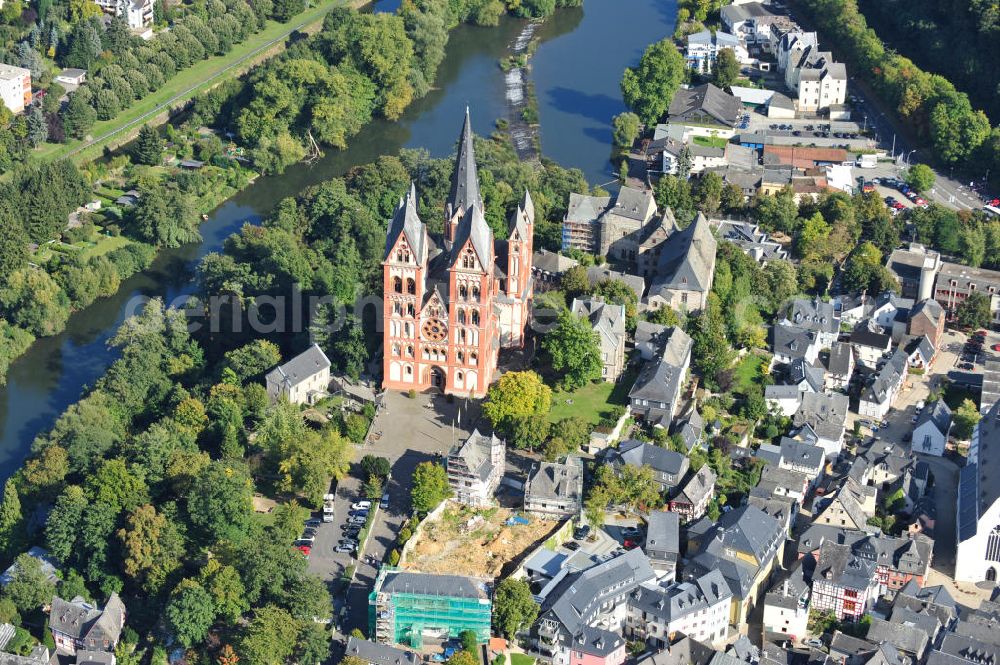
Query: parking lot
[[406, 432], [820, 132]]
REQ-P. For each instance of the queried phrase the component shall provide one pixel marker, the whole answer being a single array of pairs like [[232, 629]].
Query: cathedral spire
[[465, 181]]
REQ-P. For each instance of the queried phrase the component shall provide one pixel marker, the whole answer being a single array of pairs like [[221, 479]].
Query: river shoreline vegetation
[[321, 91]]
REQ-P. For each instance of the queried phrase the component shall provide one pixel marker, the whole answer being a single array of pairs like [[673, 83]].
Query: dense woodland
[[959, 39]]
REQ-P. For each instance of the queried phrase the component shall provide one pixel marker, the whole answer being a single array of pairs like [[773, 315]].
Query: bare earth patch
[[477, 542]]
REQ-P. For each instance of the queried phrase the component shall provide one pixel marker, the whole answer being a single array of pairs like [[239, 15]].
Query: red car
[[305, 549], [995, 347], [630, 544]]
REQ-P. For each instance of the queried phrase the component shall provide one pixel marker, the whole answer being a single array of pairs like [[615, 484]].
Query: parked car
[[343, 549], [581, 532], [305, 549], [995, 347], [356, 520], [384, 501], [631, 532], [315, 522], [304, 539], [572, 545], [967, 366], [630, 544], [348, 541], [361, 505]]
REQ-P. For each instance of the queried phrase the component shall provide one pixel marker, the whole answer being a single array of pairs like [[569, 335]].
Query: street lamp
[[907, 160]]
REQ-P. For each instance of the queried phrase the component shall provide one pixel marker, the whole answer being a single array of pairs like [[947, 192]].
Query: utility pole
[[894, 145]]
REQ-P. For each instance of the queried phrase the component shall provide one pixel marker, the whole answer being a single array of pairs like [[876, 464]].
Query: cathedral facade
[[451, 303]]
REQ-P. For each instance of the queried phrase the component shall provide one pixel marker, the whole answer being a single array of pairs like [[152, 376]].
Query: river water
[[576, 69]]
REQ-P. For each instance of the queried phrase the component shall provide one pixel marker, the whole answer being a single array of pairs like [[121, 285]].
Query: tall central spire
[[465, 181]]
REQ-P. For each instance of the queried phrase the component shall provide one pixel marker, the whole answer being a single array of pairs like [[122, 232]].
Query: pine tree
[[38, 128], [10, 519], [148, 147], [78, 116]]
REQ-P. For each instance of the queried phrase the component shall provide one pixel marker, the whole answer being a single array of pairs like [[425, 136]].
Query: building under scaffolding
[[405, 607]]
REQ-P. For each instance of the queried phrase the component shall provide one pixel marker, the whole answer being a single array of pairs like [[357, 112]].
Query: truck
[[867, 161], [327, 507]]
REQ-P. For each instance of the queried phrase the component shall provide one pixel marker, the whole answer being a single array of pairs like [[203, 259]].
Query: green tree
[[776, 212], [33, 300], [30, 587], [164, 216], [11, 519], [974, 311], [430, 487], [373, 465], [152, 547], [219, 503], [965, 419], [253, 359], [78, 116], [575, 351], [148, 147], [118, 485], [269, 638], [189, 612], [514, 607], [469, 640], [575, 282], [920, 177], [726, 69], [517, 395], [649, 87], [626, 129]]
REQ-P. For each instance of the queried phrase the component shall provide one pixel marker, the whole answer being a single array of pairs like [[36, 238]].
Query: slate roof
[[826, 414], [814, 314], [801, 453], [745, 529], [606, 319], [77, 618], [698, 486], [748, 236], [476, 453], [862, 335], [773, 478], [738, 13], [406, 222], [598, 274], [888, 380], [554, 480], [552, 262], [907, 638], [663, 531], [432, 584], [850, 646], [792, 341], [379, 654], [578, 597], [465, 183], [685, 651], [938, 414], [930, 308], [300, 368], [799, 370], [840, 565], [681, 599], [790, 591], [639, 453], [687, 259], [780, 391], [708, 100], [48, 567]]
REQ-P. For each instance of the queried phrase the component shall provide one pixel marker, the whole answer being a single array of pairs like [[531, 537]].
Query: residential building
[[808, 378], [656, 392], [707, 106], [839, 366], [651, 339], [849, 650], [374, 653], [451, 304], [695, 495], [783, 398], [930, 433], [704, 47], [740, 19], [685, 269], [817, 316], [905, 637], [475, 468], [822, 420], [549, 267], [669, 467], [751, 240], [663, 540], [844, 582], [933, 600], [71, 76], [920, 351], [790, 342], [745, 545], [138, 13], [555, 490], [77, 625], [700, 157], [40, 654], [891, 314], [46, 563], [589, 607], [870, 345], [698, 608], [608, 321], [878, 397], [405, 606], [608, 226], [302, 380], [927, 319], [786, 607], [955, 282], [598, 274], [820, 81], [804, 458], [802, 157], [775, 481], [978, 509], [898, 561], [15, 87], [849, 508]]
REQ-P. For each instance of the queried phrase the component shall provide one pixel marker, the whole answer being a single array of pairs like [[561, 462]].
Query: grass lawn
[[103, 246], [747, 372], [521, 659], [593, 399], [187, 83], [710, 141]]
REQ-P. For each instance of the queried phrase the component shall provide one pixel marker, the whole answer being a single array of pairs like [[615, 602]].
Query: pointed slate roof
[[406, 221], [687, 260], [465, 181], [474, 227]]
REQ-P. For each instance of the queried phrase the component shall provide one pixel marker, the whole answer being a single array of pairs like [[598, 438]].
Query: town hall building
[[451, 303]]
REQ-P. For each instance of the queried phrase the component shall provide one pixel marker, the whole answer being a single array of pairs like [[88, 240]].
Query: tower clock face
[[434, 330]]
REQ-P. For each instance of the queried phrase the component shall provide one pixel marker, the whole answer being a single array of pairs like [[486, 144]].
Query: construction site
[[478, 542]]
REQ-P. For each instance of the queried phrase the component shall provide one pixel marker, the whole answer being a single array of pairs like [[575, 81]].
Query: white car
[[361, 505], [343, 549], [356, 520]]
